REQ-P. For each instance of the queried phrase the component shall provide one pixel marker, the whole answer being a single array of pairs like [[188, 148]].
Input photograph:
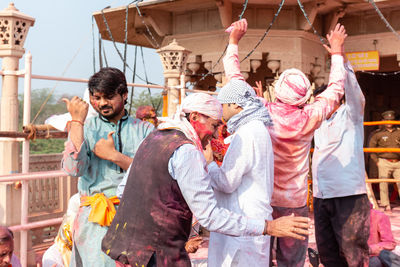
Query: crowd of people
[[143, 181]]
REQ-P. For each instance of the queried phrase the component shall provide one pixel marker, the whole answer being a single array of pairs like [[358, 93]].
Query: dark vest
[[153, 216]]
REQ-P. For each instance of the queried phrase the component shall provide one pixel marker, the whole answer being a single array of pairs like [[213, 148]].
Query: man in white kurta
[[244, 182]]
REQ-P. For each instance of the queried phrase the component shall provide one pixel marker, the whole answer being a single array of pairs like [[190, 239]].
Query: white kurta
[[244, 185]]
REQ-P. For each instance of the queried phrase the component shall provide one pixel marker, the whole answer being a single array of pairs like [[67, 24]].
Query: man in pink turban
[[167, 181], [147, 113], [292, 129]]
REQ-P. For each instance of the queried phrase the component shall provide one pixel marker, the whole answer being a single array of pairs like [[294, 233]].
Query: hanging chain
[[266, 31]]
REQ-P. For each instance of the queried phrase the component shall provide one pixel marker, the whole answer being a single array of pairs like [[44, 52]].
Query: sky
[[61, 41]]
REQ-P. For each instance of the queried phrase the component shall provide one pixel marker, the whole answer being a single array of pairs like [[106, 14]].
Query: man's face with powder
[[205, 127]]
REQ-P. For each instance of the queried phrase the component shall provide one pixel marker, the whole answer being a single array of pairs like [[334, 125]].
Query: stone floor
[[199, 259]]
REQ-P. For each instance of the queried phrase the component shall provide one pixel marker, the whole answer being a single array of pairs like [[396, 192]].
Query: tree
[[54, 105], [145, 99]]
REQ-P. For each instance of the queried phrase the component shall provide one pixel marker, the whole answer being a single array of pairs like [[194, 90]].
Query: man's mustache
[[106, 107]]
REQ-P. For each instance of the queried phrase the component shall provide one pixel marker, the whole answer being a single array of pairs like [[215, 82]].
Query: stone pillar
[[173, 58], [14, 27]]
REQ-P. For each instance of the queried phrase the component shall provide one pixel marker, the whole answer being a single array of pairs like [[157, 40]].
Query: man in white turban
[[292, 129], [167, 181]]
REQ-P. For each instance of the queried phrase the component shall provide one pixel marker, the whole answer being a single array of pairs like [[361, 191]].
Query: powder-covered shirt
[[292, 131], [338, 160], [244, 184], [188, 167], [380, 233], [98, 175]]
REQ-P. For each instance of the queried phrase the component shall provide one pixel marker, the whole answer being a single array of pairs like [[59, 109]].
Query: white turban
[[198, 102], [202, 103], [293, 87]]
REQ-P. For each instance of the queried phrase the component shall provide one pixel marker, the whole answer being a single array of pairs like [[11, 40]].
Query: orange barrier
[[372, 123], [375, 150], [381, 150], [386, 180]]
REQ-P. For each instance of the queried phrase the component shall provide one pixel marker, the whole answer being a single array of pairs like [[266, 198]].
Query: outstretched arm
[[187, 167], [326, 102], [231, 59]]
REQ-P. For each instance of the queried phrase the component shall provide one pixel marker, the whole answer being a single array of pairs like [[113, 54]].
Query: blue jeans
[[385, 259]]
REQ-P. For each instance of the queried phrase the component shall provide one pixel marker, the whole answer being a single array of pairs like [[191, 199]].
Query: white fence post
[[25, 159]]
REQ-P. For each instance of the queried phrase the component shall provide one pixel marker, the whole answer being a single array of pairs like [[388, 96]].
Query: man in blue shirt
[[341, 206], [99, 152]]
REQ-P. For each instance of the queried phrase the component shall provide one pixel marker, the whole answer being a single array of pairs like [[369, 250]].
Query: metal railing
[[26, 176]]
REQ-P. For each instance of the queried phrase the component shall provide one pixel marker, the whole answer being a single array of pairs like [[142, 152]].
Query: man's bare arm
[[78, 109]]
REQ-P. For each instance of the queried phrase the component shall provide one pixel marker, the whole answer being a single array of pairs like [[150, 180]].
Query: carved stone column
[[173, 58]]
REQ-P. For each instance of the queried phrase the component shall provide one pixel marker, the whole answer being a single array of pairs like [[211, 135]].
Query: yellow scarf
[[103, 210], [64, 242]]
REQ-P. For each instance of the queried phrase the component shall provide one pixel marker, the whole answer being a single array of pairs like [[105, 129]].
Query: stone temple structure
[[198, 25]]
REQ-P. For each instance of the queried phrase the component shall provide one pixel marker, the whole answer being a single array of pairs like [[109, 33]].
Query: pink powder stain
[[298, 89], [94, 104], [204, 132]]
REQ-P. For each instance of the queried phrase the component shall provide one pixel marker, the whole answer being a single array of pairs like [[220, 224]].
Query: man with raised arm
[[341, 205], [99, 151], [245, 180], [167, 181], [292, 129]]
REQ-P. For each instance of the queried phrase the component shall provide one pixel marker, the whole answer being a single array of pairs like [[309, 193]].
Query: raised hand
[[336, 40], [77, 107], [239, 28], [105, 148], [289, 226], [259, 89]]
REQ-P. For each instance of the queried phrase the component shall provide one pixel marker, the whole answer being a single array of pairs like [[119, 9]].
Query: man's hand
[[193, 244], [259, 89], [336, 40], [239, 29], [208, 153], [289, 226], [105, 149], [77, 107]]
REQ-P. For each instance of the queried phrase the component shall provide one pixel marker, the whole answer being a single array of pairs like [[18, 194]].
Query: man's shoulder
[[378, 132], [254, 129]]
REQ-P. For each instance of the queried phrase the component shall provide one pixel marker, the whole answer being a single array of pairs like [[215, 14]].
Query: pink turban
[[143, 112], [293, 87]]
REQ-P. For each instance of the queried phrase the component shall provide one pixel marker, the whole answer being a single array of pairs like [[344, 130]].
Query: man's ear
[[236, 106], [193, 116]]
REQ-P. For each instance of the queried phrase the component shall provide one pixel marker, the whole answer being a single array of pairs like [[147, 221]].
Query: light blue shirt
[[187, 166], [338, 161], [98, 175]]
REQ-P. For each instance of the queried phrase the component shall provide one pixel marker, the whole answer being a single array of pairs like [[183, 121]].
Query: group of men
[[140, 187]]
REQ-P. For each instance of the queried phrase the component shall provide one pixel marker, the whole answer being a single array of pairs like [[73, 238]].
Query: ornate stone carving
[[173, 58], [273, 65], [255, 64], [14, 27]]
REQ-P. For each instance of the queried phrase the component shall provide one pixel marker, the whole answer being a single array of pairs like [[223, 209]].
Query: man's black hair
[[322, 88], [108, 81], [319, 90]]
